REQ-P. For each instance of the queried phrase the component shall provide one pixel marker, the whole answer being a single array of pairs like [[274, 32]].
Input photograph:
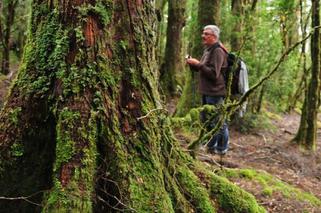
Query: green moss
[[195, 190], [248, 173], [233, 198], [180, 203], [268, 191], [76, 194], [17, 150], [44, 54], [14, 115], [146, 188], [65, 147], [102, 9], [271, 184]]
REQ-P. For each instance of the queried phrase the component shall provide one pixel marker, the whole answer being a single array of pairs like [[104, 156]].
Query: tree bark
[[238, 13], [173, 60], [307, 132], [83, 130], [9, 19], [161, 30]]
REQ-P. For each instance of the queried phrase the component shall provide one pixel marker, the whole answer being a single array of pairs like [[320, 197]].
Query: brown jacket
[[212, 64]]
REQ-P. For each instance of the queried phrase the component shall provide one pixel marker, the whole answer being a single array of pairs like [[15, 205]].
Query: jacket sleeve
[[211, 66]]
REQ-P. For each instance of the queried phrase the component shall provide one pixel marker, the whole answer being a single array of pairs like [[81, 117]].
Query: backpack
[[237, 68], [240, 83]]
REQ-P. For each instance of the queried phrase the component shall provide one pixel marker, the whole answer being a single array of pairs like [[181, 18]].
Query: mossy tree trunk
[[82, 129], [208, 13], [173, 59], [307, 133], [238, 13], [8, 10], [161, 29]]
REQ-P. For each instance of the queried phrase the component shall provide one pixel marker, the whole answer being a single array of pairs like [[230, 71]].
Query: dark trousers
[[219, 141]]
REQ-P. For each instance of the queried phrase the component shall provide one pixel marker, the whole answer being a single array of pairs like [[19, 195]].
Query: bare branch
[[153, 110], [25, 198]]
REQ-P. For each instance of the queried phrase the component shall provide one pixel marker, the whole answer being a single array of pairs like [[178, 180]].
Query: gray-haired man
[[211, 81]]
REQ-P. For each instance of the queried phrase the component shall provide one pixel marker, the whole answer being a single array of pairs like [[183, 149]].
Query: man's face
[[208, 37]]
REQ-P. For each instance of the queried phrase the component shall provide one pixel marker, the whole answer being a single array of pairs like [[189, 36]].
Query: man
[[211, 82]]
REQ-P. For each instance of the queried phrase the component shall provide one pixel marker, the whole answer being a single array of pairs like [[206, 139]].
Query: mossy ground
[[280, 176]]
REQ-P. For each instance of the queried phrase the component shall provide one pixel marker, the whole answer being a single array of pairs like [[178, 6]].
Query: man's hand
[[192, 61]]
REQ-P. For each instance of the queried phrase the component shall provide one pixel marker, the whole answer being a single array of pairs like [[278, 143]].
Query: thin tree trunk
[[238, 13], [260, 99], [9, 19], [307, 132], [161, 30]]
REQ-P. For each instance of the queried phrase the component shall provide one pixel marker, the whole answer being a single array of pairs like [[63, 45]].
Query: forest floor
[[271, 151]]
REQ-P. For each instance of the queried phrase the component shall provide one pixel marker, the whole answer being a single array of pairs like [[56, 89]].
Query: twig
[[153, 110], [25, 198]]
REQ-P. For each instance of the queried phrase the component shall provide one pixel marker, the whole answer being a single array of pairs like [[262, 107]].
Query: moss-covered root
[[230, 197], [181, 204], [194, 189]]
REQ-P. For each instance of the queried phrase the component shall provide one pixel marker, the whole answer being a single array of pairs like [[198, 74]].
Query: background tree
[[82, 129], [8, 8], [237, 37], [302, 76], [161, 12], [307, 133], [173, 59]]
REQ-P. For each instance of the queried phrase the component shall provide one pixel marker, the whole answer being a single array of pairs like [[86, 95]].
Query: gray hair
[[215, 30]]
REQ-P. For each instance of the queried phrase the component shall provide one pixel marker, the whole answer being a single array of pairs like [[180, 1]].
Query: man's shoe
[[211, 150]]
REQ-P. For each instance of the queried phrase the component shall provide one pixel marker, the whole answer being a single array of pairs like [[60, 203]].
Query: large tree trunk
[[173, 60], [307, 132], [82, 129]]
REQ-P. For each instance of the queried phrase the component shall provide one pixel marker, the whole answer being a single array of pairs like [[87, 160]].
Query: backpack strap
[[218, 45]]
